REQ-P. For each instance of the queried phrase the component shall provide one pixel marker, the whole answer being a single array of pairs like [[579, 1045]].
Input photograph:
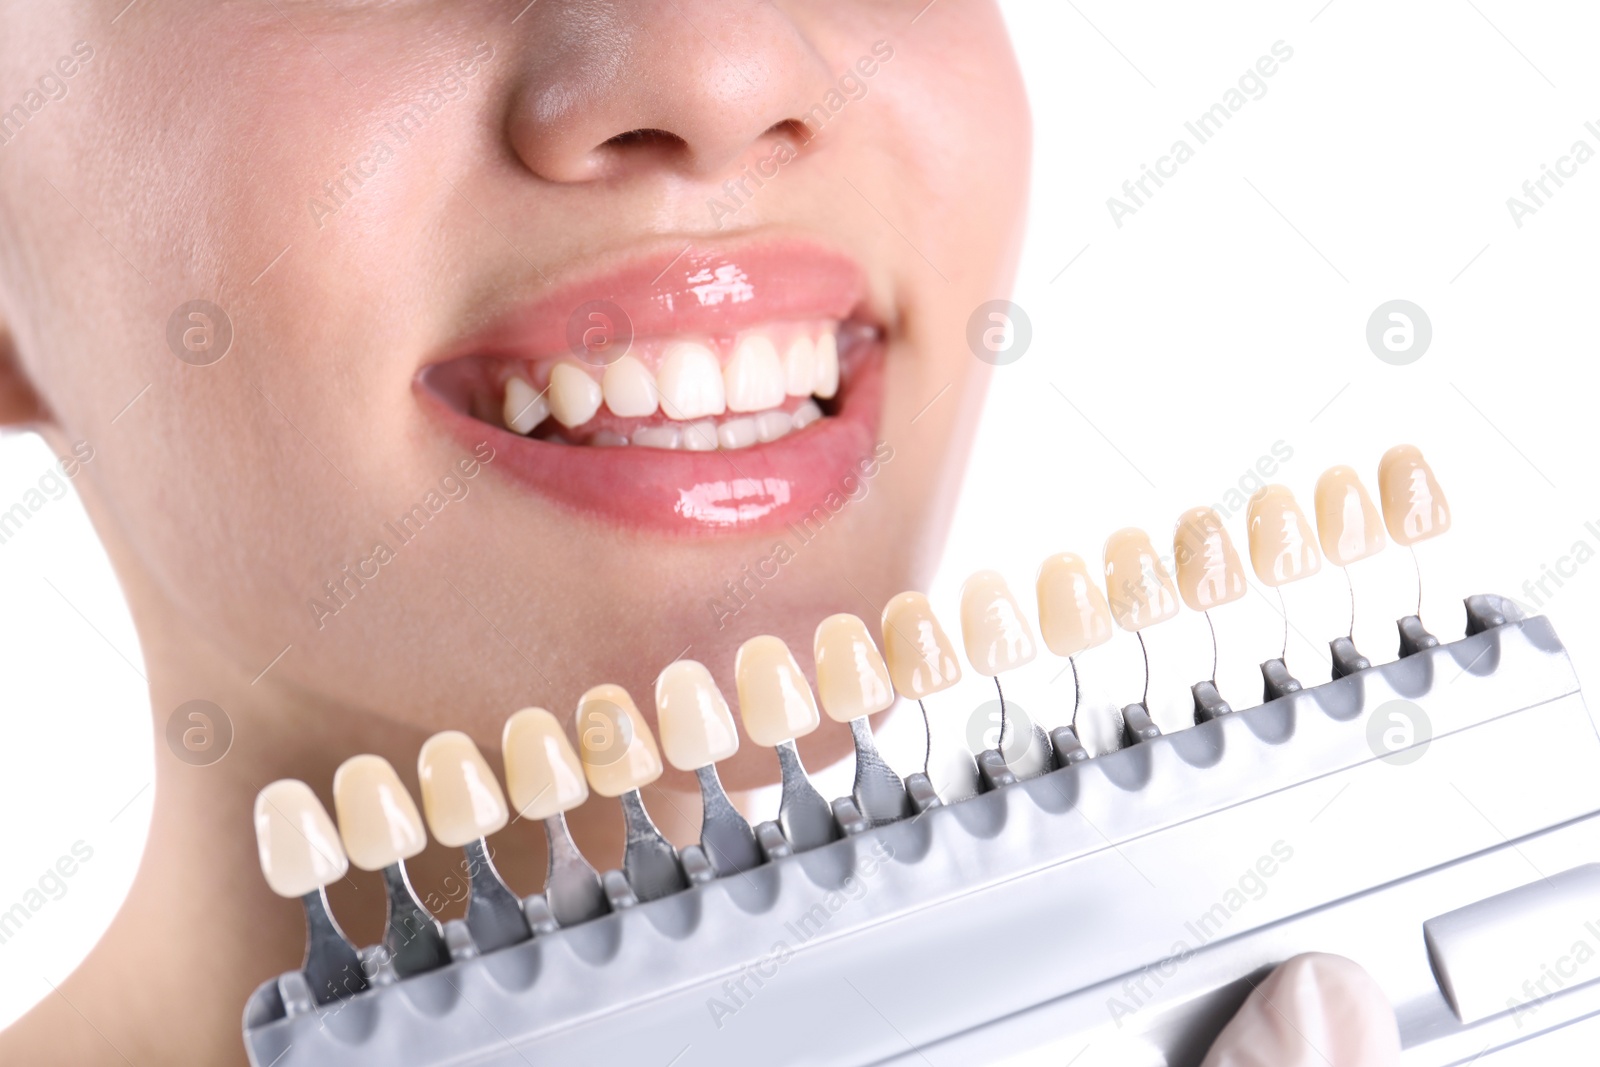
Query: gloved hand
[[1315, 1010]]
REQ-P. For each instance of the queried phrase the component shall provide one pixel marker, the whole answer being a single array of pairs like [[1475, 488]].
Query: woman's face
[[395, 209]]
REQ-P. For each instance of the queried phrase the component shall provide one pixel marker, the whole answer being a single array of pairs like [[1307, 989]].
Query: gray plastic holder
[[1120, 903]]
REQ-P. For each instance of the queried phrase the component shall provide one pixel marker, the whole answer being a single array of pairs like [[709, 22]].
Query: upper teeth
[[689, 385]]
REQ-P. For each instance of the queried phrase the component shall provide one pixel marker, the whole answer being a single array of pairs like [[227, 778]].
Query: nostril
[[646, 138], [794, 131]]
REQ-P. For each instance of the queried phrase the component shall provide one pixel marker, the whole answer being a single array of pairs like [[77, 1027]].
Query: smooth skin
[[180, 161]]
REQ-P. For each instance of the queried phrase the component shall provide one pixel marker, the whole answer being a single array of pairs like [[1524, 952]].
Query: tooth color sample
[[1414, 507], [1282, 547], [523, 407], [921, 659], [299, 848], [629, 388], [1138, 586], [619, 752], [1209, 570], [1073, 615], [996, 636], [543, 774], [693, 717], [852, 679], [1348, 525], [574, 395], [460, 796], [378, 820], [689, 382], [775, 700]]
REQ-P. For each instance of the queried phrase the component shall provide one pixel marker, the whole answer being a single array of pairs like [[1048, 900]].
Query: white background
[[1167, 357]]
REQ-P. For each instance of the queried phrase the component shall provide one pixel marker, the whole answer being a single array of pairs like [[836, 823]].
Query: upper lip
[[708, 286]]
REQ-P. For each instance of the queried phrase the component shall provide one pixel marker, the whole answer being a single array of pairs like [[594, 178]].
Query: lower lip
[[746, 490]]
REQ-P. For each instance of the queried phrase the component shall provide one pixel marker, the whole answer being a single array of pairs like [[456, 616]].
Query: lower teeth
[[741, 431]]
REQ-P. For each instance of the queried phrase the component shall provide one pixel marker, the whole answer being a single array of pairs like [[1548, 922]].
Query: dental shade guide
[[853, 684], [1138, 845]]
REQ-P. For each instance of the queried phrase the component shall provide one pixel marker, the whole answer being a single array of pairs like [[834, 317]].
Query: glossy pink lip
[[711, 290]]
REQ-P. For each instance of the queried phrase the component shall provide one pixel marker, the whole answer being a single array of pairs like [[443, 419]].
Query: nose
[[612, 90]]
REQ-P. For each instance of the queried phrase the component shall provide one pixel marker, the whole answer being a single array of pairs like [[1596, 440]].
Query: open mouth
[[730, 390]]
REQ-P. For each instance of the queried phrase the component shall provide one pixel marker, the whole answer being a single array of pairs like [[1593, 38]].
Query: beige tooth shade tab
[[1210, 573], [693, 717], [996, 636], [460, 796], [852, 679], [775, 699], [378, 820], [299, 848], [921, 659], [619, 751], [1348, 525], [543, 774], [1414, 507], [1138, 587], [1073, 615], [1282, 547]]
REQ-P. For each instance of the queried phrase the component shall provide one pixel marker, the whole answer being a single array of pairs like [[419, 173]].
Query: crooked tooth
[[1073, 615], [1282, 546], [996, 636], [574, 395], [1414, 507], [738, 433], [800, 367], [827, 366], [629, 388], [378, 820], [1348, 526], [852, 679], [1138, 587], [771, 425], [689, 382], [921, 659], [299, 848], [693, 716], [1209, 571], [775, 700], [699, 437], [524, 407], [460, 795], [804, 415], [754, 377], [657, 437], [543, 774], [619, 752]]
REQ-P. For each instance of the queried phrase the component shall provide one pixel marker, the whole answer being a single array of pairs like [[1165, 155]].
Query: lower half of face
[[480, 360]]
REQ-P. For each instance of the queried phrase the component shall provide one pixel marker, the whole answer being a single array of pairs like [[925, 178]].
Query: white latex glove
[[1315, 1010]]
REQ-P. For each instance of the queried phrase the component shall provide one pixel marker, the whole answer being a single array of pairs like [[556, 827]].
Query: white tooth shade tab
[[693, 717], [800, 367], [543, 774], [619, 753], [827, 366], [524, 407], [574, 395], [754, 377], [689, 382], [775, 700], [996, 635], [378, 820], [629, 389], [299, 848], [852, 679], [460, 795]]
